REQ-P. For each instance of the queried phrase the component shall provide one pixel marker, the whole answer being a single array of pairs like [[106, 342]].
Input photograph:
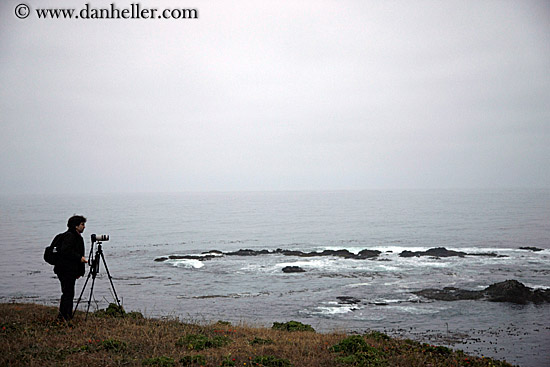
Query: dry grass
[[29, 336]]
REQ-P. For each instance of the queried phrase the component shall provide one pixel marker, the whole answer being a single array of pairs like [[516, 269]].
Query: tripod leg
[[112, 285], [90, 299], [81, 293]]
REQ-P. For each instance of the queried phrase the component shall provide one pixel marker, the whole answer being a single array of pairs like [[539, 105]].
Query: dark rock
[[435, 252], [366, 254], [191, 257], [541, 295], [507, 291], [449, 294], [340, 253], [534, 249], [443, 252], [347, 300], [293, 269], [180, 257], [487, 254], [241, 252], [289, 252]]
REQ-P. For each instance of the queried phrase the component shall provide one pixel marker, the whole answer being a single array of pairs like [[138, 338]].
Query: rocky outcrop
[[367, 254], [293, 269], [190, 257], [435, 252], [507, 291], [443, 252], [246, 252], [449, 294], [347, 300], [515, 292], [363, 254], [534, 249]]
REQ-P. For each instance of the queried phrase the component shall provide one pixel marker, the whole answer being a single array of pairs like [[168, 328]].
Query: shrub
[[113, 310], [351, 345], [200, 342], [271, 361], [364, 360], [357, 352], [292, 326], [377, 335]]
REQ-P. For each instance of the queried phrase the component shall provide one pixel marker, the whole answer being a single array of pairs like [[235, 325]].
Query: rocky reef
[[293, 269], [439, 252], [530, 248], [507, 291], [443, 252], [363, 254]]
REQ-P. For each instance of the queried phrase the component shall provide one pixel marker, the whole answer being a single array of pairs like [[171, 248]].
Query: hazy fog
[[277, 95]]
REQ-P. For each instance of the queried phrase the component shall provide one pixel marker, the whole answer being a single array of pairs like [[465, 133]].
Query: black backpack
[[50, 253]]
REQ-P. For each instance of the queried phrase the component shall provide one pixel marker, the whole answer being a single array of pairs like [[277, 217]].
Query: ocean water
[[255, 291]]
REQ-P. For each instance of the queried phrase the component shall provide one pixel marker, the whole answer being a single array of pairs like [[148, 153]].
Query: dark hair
[[75, 220]]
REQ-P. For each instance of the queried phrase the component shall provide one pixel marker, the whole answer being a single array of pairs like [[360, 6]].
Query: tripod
[[94, 269]]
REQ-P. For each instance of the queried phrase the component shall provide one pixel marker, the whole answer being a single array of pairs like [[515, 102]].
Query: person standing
[[70, 263]]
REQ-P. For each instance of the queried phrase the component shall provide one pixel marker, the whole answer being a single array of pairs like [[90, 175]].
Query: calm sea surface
[[254, 290]]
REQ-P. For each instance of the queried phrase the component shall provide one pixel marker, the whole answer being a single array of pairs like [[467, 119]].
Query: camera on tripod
[[94, 261], [100, 238]]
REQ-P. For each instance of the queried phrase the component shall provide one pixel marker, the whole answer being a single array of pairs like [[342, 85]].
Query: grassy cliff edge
[[29, 336]]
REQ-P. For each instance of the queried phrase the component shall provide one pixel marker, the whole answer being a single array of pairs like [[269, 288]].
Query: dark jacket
[[70, 251]]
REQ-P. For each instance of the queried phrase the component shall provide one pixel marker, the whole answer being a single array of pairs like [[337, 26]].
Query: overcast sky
[[277, 95]]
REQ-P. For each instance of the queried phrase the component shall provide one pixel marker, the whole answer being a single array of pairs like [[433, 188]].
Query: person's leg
[[67, 296]]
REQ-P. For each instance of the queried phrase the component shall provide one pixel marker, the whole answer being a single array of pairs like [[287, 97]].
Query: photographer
[[70, 265]]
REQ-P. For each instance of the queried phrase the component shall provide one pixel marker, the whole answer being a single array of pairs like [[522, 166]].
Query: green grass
[[292, 326], [200, 341]]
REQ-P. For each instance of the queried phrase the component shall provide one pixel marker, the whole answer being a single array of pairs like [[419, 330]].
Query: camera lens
[[100, 237]]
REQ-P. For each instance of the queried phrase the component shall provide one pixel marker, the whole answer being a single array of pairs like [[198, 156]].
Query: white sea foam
[[333, 310], [384, 267], [320, 263], [186, 263], [415, 310], [387, 301]]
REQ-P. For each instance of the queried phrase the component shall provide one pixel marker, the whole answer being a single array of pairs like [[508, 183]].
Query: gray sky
[[277, 95]]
